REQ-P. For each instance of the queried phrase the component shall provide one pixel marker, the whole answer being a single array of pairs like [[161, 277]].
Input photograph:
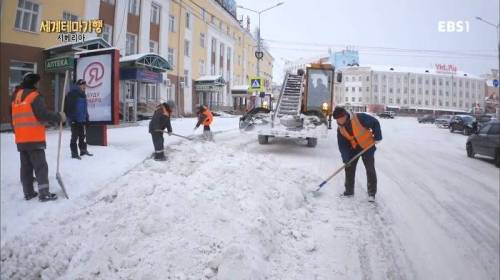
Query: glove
[[63, 116], [196, 127], [377, 142]]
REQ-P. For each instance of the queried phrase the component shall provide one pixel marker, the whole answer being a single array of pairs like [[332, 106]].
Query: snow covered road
[[235, 209]]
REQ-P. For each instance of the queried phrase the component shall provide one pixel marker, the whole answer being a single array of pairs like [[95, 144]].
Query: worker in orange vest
[[28, 110], [356, 132], [206, 118]]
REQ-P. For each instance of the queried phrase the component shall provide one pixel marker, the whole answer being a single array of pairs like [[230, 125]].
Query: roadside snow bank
[[210, 211]]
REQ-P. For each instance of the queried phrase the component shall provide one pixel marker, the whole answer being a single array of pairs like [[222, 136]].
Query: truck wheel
[[263, 139], [312, 142]]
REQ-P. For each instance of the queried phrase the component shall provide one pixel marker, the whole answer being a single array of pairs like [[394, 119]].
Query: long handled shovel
[[178, 135], [58, 174], [342, 167]]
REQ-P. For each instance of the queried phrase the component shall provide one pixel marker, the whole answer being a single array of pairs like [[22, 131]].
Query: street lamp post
[[497, 26], [258, 31]]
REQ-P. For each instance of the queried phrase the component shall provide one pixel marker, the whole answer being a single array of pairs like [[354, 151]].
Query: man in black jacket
[[27, 111], [158, 123], [78, 115]]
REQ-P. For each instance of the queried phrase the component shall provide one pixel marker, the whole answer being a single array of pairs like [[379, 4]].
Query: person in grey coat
[[158, 123]]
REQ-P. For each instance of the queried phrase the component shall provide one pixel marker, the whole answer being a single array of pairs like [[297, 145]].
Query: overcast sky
[[305, 29]]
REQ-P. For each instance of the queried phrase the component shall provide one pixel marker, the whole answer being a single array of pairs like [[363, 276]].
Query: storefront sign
[[141, 75], [446, 68], [59, 64]]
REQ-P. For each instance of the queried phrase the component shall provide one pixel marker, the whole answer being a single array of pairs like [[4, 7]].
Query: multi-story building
[[191, 51], [409, 89]]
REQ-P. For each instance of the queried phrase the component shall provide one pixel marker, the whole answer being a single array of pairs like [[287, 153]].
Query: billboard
[[99, 70]]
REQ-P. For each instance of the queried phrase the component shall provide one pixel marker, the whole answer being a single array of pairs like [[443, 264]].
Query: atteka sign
[[446, 68]]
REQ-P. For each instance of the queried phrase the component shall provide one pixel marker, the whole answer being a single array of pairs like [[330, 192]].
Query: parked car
[[463, 123], [485, 142], [484, 119], [387, 115], [443, 121], [426, 119]]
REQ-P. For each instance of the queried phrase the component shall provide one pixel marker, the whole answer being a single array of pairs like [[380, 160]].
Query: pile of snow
[[170, 218]]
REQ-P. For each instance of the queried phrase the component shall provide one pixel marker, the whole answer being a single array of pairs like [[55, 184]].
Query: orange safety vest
[[209, 117], [361, 135], [27, 128]]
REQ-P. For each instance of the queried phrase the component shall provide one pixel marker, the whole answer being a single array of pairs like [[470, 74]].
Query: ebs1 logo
[[453, 26]]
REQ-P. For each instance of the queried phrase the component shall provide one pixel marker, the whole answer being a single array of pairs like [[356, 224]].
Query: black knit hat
[[30, 79], [81, 82], [339, 112]]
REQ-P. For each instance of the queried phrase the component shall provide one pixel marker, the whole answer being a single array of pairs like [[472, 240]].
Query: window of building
[[426, 81], [17, 69], [155, 13], [359, 99], [360, 89], [202, 40], [412, 91], [460, 83], [426, 92], [405, 101], [367, 89], [186, 48], [398, 91], [347, 89], [171, 56], [440, 82], [447, 83], [433, 82], [383, 99], [131, 44], [419, 91], [412, 100], [203, 14], [398, 80], [353, 89], [188, 20], [69, 16], [111, 2], [440, 93], [419, 102], [426, 102], [390, 100], [454, 104], [412, 81], [152, 92], [353, 99], [398, 101], [359, 78], [153, 46], [171, 23], [187, 78], [375, 76], [405, 90], [347, 99], [202, 67], [212, 19], [383, 78], [390, 90], [419, 80], [133, 7], [27, 16], [367, 78], [347, 78], [107, 33], [447, 94]]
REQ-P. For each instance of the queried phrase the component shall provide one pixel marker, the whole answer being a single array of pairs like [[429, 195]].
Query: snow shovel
[[181, 136], [58, 174], [341, 168]]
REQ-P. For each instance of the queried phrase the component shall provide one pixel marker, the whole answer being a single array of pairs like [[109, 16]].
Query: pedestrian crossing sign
[[256, 84]]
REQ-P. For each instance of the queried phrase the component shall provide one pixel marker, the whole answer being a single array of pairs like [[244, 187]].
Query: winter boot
[[371, 198], [160, 156], [45, 195], [85, 153], [346, 193], [29, 196], [76, 157]]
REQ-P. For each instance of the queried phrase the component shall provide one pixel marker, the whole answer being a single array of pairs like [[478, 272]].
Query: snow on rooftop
[[135, 57], [240, 88], [209, 78]]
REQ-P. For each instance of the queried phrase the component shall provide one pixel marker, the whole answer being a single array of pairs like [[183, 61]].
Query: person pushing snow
[[157, 125], [356, 132], [206, 118]]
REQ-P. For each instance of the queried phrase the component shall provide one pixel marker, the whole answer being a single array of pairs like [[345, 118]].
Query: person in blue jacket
[[356, 132], [78, 116]]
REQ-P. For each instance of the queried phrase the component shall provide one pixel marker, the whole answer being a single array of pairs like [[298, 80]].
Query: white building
[[409, 89]]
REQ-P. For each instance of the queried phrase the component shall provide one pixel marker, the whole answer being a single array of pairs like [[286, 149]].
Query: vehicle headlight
[[325, 106], [264, 104]]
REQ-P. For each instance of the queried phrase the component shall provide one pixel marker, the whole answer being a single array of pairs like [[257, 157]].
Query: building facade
[[409, 90], [198, 38]]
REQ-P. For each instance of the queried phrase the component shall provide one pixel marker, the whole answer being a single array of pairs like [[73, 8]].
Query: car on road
[[387, 115], [484, 119], [463, 123], [485, 142], [443, 121], [426, 119]]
